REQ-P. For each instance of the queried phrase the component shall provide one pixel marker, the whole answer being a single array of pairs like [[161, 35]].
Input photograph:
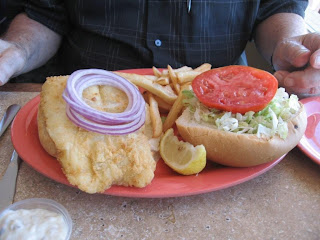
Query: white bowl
[[46, 204]]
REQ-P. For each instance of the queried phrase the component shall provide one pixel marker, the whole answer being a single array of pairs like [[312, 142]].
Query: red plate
[[166, 183], [310, 142]]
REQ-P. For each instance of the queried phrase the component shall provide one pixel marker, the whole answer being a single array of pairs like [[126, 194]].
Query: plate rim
[[301, 144]]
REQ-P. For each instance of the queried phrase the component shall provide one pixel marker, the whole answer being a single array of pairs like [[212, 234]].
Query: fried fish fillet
[[92, 161]]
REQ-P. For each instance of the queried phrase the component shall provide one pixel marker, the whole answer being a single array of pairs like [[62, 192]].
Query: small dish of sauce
[[34, 219]]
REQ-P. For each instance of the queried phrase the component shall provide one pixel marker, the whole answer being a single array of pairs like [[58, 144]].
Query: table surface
[[283, 203]]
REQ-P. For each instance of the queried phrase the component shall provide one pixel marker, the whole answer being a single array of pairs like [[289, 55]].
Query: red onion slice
[[83, 115], [102, 128]]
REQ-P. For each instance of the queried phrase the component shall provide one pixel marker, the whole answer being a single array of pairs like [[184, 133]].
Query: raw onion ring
[[85, 116]]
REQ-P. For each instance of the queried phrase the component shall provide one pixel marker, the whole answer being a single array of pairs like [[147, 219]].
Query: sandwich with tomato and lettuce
[[241, 116]]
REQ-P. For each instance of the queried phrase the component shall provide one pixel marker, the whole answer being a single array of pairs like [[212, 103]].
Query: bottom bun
[[240, 150]]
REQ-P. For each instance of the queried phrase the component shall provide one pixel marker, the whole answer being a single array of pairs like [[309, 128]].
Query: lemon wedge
[[181, 156]]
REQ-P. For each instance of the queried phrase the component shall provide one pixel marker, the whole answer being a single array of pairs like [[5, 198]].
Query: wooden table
[[283, 203]]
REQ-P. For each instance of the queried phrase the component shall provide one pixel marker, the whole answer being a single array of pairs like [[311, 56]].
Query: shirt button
[[158, 42]]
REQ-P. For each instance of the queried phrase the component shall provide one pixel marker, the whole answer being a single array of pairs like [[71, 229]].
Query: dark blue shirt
[[124, 34]]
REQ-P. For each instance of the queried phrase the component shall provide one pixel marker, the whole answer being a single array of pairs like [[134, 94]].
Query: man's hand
[[12, 61], [297, 64]]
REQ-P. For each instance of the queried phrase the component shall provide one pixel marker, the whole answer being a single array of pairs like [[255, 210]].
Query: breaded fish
[[92, 161]]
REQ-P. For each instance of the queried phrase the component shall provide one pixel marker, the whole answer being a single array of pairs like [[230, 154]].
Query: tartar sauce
[[32, 224]]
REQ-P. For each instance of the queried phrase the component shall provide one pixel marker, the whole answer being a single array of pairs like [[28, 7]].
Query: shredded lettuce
[[270, 121]]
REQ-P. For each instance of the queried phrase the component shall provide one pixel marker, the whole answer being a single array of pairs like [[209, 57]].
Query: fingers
[[280, 76], [297, 52], [311, 41], [315, 59], [4, 77], [304, 82], [11, 63], [290, 54], [5, 70], [303, 93], [298, 63]]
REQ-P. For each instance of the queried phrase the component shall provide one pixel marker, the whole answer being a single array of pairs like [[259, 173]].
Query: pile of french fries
[[163, 92]]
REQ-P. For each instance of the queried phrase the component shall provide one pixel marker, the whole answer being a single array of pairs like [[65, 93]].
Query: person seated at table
[[124, 34]]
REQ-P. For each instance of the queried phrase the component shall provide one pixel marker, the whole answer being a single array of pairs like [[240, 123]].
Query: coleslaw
[[270, 121]]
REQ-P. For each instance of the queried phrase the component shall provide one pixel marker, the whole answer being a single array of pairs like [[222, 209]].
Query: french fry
[[162, 104], [162, 80], [202, 68], [184, 77], [185, 86], [165, 73], [177, 88], [151, 77], [169, 89], [145, 97], [174, 79], [164, 92], [156, 71], [155, 116], [183, 69], [175, 110]]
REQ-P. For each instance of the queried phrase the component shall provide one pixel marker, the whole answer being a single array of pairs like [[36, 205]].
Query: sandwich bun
[[240, 150]]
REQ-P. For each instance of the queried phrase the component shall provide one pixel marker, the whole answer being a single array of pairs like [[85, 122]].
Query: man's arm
[[26, 45]]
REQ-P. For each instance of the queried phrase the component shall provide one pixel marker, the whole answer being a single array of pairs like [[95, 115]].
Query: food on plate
[[163, 106], [164, 92], [203, 68], [165, 84], [235, 115], [174, 79], [163, 81], [156, 72], [155, 116], [241, 116], [99, 146], [181, 156], [175, 110], [93, 154], [237, 89]]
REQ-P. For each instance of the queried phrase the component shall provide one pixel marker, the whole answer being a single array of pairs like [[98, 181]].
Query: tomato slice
[[235, 88]]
